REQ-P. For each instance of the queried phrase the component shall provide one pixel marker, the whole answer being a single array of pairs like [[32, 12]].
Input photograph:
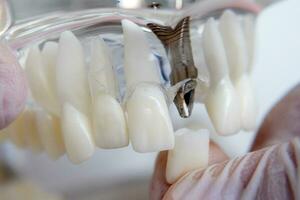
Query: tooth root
[[190, 152], [101, 75], [248, 103], [77, 134], [222, 101], [109, 123], [50, 133], [235, 44], [32, 138], [214, 52], [37, 76], [249, 29], [49, 55], [16, 132], [149, 123], [139, 62], [71, 75]]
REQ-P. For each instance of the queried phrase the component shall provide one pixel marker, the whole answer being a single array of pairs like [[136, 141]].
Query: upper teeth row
[[78, 117]]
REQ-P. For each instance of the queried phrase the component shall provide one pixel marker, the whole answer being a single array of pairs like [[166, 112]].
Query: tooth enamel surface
[[77, 134], [101, 75], [190, 152], [139, 62], [222, 101], [32, 138], [249, 29], [50, 134], [149, 123], [71, 75], [235, 44], [49, 54], [247, 103], [40, 86], [109, 123]]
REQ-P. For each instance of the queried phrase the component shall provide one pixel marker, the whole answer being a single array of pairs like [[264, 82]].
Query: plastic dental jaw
[[106, 91]]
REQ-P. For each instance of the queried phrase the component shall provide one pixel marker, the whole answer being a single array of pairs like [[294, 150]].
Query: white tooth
[[101, 75], [249, 29], [32, 138], [71, 74], [248, 103], [50, 133], [16, 132], [139, 61], [190, 152], [222, 101], [149, 123], [49, 54], [235, 44], [40, 86], [109, 123], [77, 134]]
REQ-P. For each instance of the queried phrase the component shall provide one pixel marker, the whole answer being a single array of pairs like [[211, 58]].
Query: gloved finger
[[159, 185], [282, 122], [13, 87], [270, 173]]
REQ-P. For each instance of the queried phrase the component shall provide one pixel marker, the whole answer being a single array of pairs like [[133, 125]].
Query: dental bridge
[[105, 77]]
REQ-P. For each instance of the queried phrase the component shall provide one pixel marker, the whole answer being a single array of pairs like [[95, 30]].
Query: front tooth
[[222, 101], [190, 152], [139, 61], [77, 134], [149, 123], [249, 29], [40, 86], [32, 138], [49, 54], [235, 44], [71, 75], [109, 125], [101, 74], [50, 133]]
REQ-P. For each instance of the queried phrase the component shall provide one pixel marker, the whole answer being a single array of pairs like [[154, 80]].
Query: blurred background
[[124, 174]]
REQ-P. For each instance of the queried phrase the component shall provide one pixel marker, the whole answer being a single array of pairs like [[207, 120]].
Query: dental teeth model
[[76, 101]]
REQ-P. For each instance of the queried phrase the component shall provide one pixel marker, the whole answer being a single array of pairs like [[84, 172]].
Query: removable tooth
[[190, 152], [32, 138], [222, 101], [249, 30], [235, 44], [50, 134], [109, 124], [71, 74], [40, 86], [149, 123], [77, 134], [238, 59], [139, 61], [49, 54]]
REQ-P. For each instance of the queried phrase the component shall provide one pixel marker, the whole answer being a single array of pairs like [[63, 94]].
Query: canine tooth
[[77, 134], [49, 54], [109, 123], [235, 44], [222, 101], [50, 133], [39, 84], [32, 138], [149, 123], [139, 62], [71, 75], [101, 75], [190, 152]]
